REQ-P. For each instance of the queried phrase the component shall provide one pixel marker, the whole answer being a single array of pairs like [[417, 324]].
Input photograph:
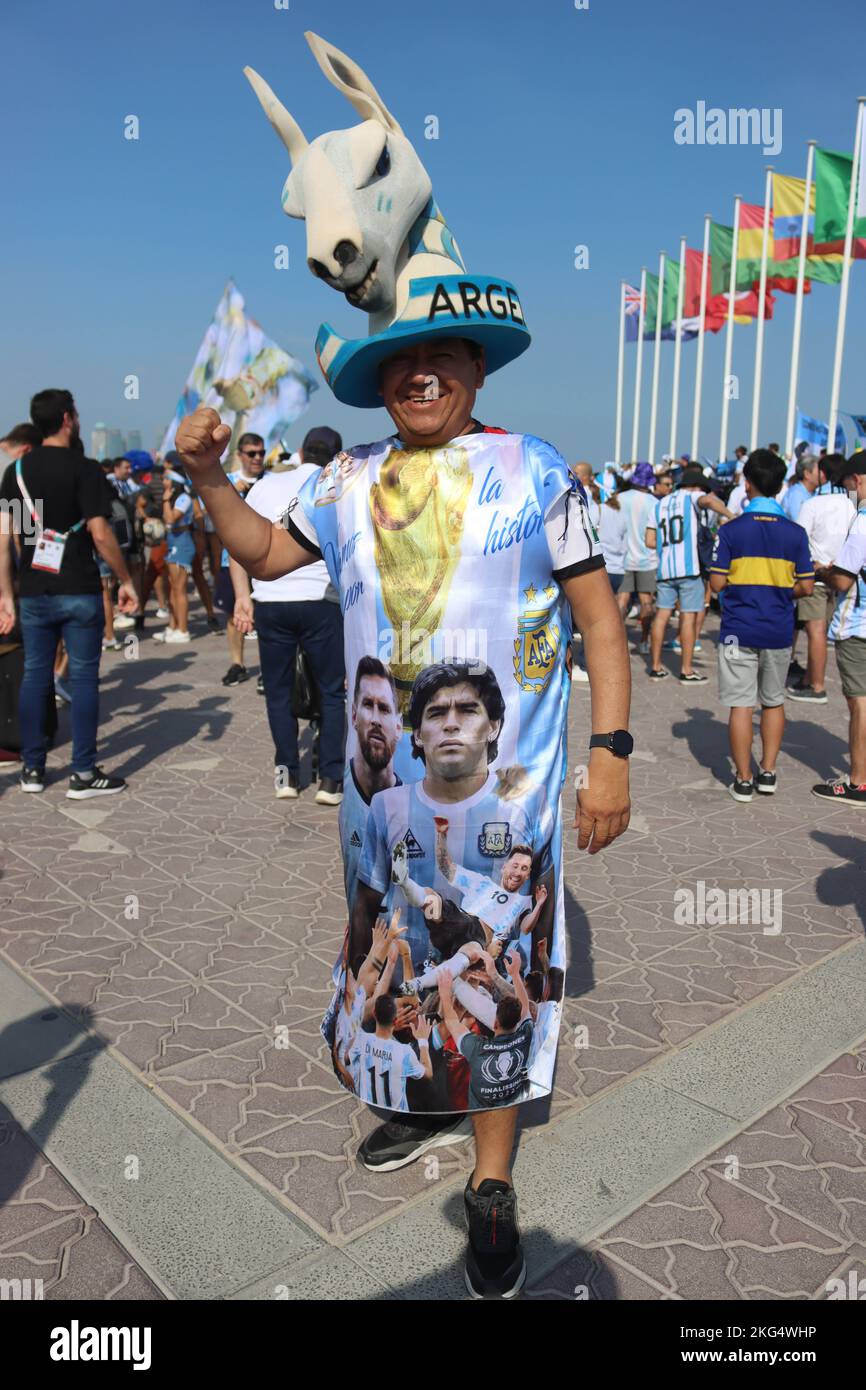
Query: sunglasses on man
[[253, 453]]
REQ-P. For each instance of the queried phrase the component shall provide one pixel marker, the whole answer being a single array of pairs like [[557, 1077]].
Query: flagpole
[[729, 341], [620, 369], [657, 359], [637, 370], [843, 292], [798, 304], [759, 340], [675, 398], [699, 366]]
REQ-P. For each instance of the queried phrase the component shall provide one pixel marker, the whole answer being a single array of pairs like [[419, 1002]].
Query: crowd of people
[[777, 548], [88, 548]]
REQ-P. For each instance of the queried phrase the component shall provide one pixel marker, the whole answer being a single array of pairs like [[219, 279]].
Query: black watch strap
[[620, 742]]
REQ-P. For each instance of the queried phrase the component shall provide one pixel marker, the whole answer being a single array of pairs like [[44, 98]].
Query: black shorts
[[224, 594]]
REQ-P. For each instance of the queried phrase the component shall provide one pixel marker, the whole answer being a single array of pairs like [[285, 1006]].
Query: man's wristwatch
[[620, 742]]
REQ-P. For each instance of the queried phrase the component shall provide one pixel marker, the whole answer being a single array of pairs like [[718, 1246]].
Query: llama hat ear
[[345, 74], [285, 125]]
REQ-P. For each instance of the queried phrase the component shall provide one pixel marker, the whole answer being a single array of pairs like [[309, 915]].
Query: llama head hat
[[375, 234]]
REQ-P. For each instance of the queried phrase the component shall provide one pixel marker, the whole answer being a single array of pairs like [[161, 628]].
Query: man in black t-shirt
[[58, 503]]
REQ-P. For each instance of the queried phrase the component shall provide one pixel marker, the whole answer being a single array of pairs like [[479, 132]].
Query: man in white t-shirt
[[637, 506], [299, 610], [826, 517]]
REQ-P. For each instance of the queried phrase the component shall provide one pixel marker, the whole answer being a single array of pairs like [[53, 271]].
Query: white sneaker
[[122, 622], [176, 637], [578, 673], [163, 615], [251, 636], [644, 648], [160, 636]]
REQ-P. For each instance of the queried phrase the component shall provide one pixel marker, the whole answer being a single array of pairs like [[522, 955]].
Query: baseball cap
[[692, 476], [643, 475], [321, 444]]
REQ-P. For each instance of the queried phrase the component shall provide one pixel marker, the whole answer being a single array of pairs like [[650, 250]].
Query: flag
[[810, 436], [631, 310], [788, 195], [274, 386], [781, 275], [859, 423], [832, 188]]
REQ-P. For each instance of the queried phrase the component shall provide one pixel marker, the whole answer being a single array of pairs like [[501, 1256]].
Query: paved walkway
[[169, 1122]]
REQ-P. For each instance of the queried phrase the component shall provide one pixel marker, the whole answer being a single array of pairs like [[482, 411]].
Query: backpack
[[121, 523]]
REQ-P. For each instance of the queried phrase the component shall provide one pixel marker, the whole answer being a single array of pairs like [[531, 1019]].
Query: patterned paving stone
[[215, 926], [48, 1233], [771, 1216]]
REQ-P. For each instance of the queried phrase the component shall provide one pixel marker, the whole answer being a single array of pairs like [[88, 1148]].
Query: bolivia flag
[[788, 194], [832, 186], [781, 275]]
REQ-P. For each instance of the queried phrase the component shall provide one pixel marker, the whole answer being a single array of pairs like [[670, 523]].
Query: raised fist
[[201, 440]]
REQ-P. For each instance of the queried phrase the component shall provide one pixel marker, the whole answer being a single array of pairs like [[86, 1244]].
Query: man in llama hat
[[456, 548]]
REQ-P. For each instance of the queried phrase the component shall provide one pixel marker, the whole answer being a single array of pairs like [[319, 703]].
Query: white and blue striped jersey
[[486, 899], [482, 831], [676, 520], [353, 814], [849, 618], [379, 1069]]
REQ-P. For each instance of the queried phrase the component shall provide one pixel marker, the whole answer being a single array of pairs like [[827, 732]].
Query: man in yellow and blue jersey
[[761, 561]]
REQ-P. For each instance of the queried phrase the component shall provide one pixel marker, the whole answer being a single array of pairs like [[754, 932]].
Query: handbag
[[305, 702]]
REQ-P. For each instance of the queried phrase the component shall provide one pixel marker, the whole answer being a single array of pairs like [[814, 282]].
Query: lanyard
[[37, 520]]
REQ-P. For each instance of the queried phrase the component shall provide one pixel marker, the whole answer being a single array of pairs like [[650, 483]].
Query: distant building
[[115, 444], [99, 442], [133, 440]]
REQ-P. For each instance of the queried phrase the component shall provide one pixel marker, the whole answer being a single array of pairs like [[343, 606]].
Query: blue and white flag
[[274, 387], [810, 436], [859, 423]]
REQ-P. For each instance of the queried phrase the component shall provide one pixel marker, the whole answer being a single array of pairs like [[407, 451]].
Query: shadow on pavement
[[35, 1044], [846, 882], [707, 738], [587, 1278], [580, 975]]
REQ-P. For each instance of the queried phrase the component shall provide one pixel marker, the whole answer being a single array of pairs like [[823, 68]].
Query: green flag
[[832, 187], [781, 275], [669, 298]]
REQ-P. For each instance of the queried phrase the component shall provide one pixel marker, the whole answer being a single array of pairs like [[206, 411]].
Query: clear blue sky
[[556, 128]]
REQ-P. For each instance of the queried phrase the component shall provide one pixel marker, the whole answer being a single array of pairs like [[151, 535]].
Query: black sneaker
[[841, 791], [100, 784], [214, 624], [693, 678], [330, 793], [495, 1267], [741, 791], [765, 783], [395, 1145], [658, 675], [32, 779], [236, 675], [806, 692], [260, 685]]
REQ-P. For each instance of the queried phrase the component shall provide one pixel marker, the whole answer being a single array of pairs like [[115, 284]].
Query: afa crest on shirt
[[537, 643], [495, 839]]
